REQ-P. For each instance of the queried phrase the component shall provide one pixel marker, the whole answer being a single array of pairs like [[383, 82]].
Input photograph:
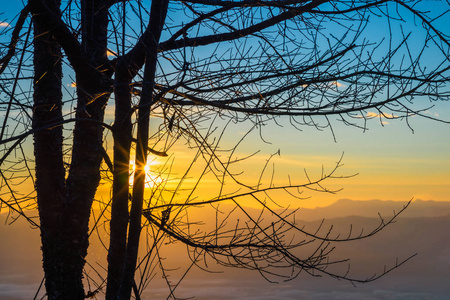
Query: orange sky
[[392, 161]]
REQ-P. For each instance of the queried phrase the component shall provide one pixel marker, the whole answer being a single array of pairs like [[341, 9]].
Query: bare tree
[[190, 69]]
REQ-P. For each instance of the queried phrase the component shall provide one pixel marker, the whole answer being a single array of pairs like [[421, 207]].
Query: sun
[[151, 178]]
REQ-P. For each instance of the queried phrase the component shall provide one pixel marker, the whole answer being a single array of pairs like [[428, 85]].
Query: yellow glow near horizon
[[393, 163]]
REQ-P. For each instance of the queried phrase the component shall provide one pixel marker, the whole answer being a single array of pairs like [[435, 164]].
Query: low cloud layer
[[420, 230]]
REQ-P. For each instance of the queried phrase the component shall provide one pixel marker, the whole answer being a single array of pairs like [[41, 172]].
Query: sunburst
[[151, 178]]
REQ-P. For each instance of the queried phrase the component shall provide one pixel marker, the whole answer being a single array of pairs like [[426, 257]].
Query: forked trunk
[[62, 256], [64, 204]]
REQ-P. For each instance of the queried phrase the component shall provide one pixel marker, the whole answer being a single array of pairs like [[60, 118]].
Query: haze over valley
[[421, 229]]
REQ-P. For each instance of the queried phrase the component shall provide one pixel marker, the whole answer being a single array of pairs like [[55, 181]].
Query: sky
[[390, 161], [394, 160]]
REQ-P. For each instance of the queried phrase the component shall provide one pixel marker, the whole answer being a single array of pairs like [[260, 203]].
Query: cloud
[[339, 84], [371, 114], [306, 289], [15, 291], [331, 84], [382, 115], [435, 114], [72, 84], [111, 53], [4, 24]]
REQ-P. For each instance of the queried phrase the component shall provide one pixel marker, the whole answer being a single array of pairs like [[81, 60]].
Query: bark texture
[[62, 273], [65, 204]]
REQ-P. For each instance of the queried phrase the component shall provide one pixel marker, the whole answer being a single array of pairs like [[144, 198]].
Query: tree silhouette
[[190, 69]]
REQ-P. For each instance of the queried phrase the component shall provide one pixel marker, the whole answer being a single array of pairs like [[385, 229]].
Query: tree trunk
[[64, 205], [93, 91], [119, 206], [157, 17], [62, 276]]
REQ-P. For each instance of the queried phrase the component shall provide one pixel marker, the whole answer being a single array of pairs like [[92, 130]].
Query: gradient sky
[[394, 162]]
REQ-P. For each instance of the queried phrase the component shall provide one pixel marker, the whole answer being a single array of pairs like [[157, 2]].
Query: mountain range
[[371, 208]]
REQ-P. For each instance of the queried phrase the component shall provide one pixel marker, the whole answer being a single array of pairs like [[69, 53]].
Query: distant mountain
[[371, 208]]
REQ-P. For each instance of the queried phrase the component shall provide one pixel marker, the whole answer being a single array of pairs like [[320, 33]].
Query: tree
[[184, 65]]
